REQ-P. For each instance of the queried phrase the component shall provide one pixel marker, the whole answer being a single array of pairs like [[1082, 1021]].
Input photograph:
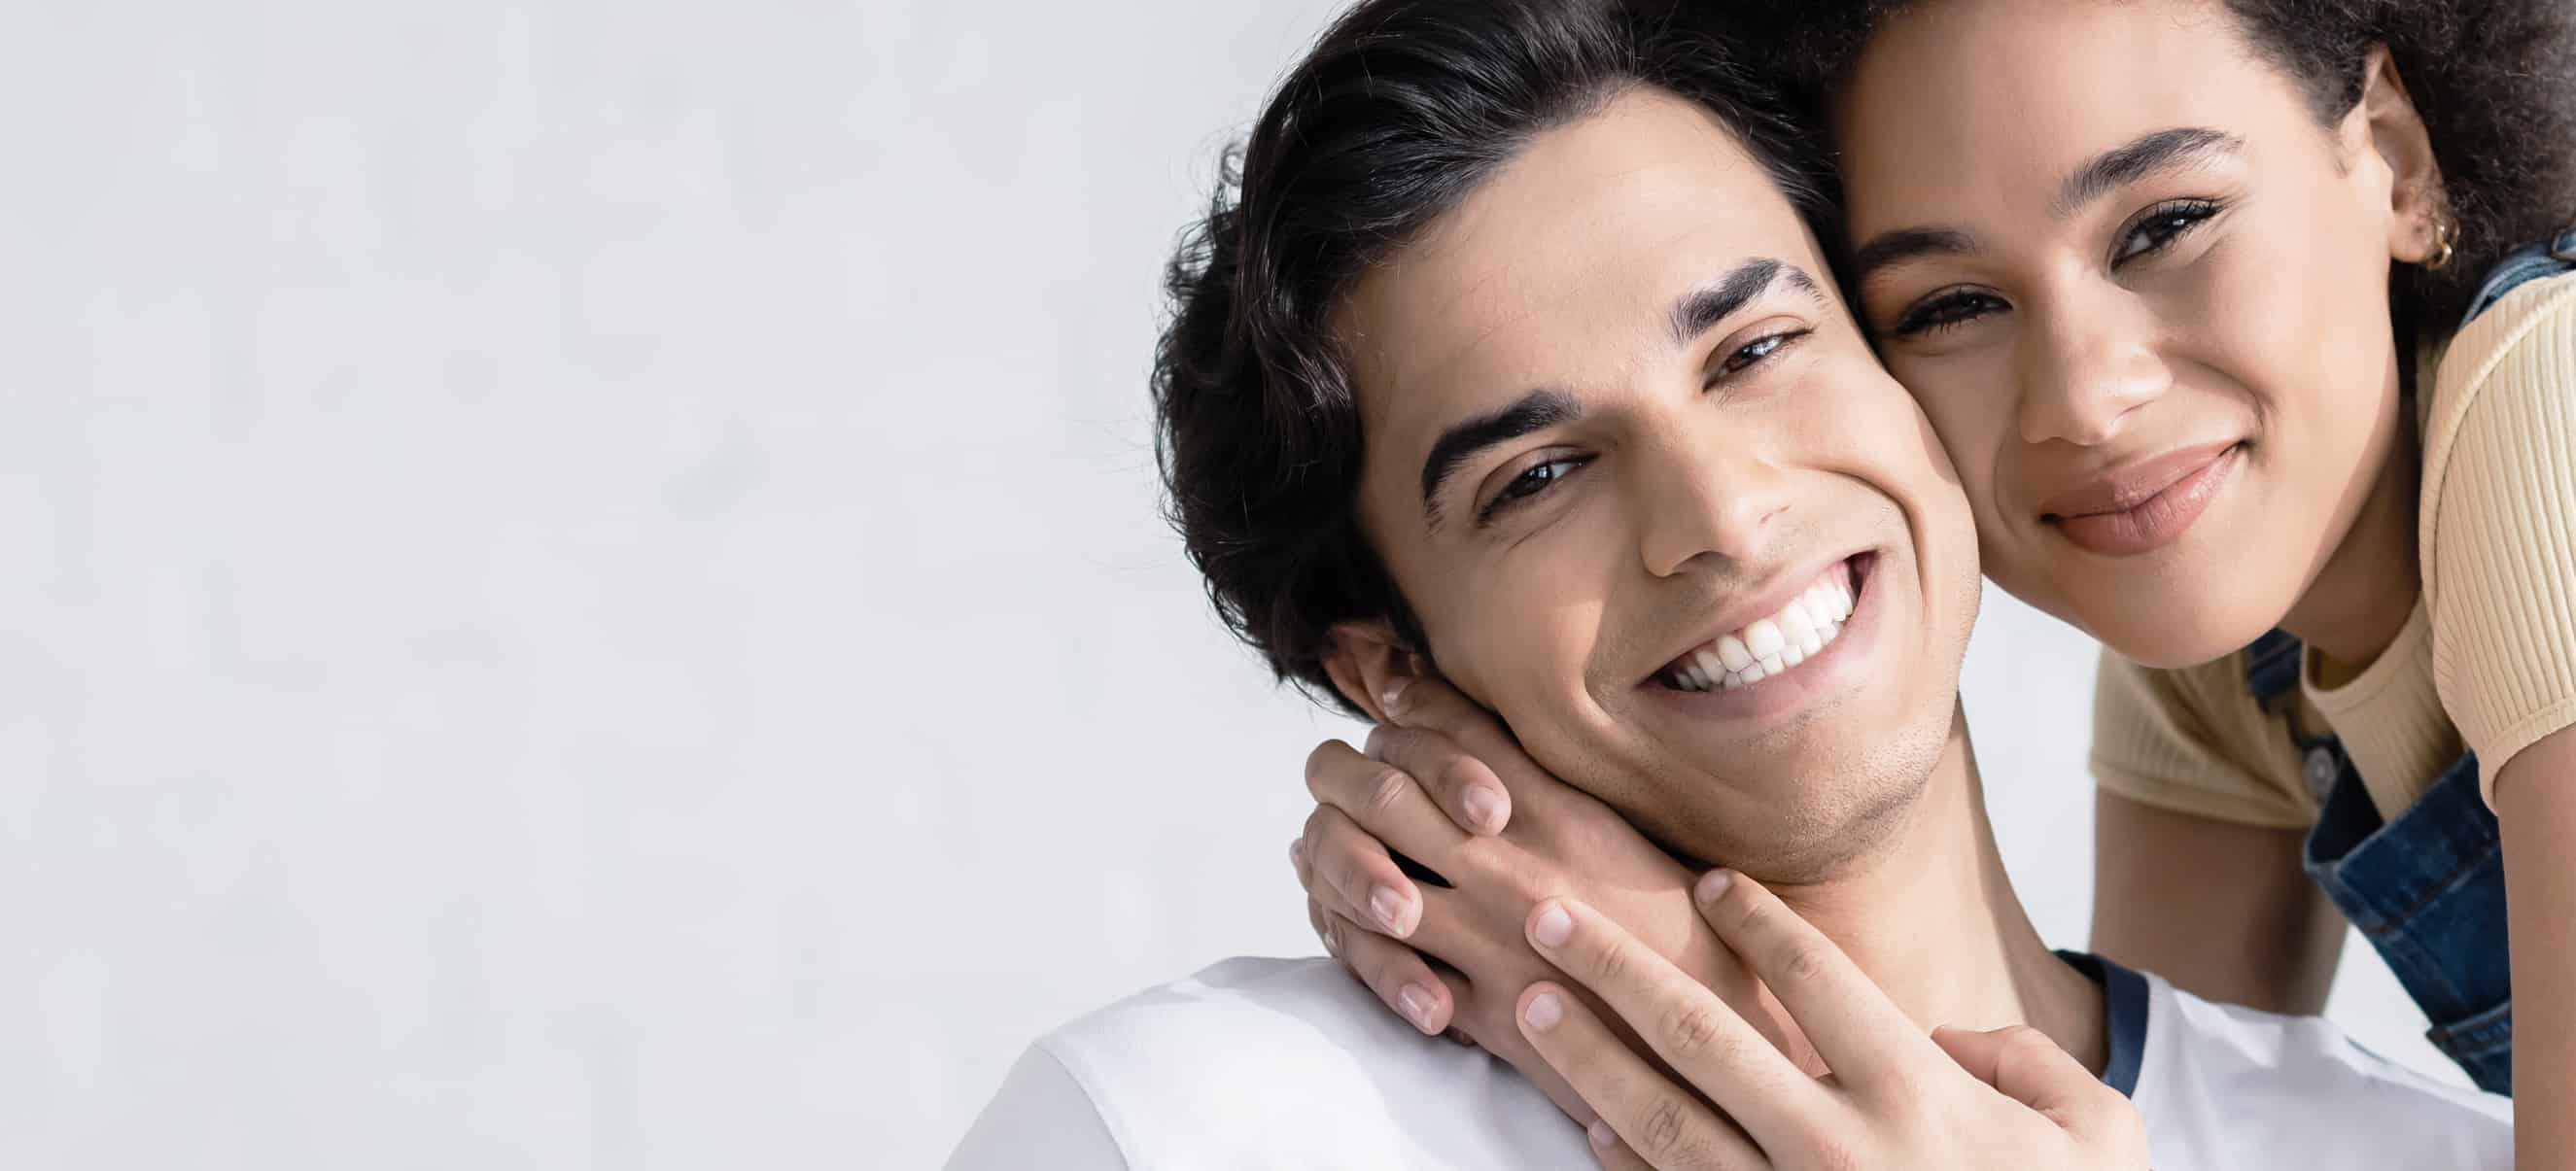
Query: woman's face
[[2142, 293]]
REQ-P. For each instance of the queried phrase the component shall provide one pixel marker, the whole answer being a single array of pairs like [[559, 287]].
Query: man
[[1513, 364]]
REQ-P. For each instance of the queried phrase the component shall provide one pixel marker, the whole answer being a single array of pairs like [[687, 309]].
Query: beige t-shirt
[[2487, 659]]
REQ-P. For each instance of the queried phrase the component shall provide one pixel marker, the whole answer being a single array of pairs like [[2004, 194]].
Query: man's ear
[[1366, 657], [2386, 124]]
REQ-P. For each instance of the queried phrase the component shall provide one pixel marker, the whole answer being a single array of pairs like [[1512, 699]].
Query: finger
[[1436, 925], [1484, 1015], [1661, 1123], [1360, 880], [1869, 1043], [1430, 704], [1380, 964], [1314, 909], [1385, 800], [1462, 786], [1615, 1155], [1694, 1032], [2021, 1063], [1393, 971]]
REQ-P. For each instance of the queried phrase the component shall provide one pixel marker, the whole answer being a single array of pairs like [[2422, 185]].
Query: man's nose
[[1718, 498]]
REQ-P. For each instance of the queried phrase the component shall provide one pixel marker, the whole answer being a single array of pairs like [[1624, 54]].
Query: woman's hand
[[1452, 793], [1896, 1098]]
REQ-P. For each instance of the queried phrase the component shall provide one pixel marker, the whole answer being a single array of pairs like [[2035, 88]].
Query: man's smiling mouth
[[1775, 644]]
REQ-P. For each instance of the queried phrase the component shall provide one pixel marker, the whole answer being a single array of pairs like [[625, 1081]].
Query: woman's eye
[[1533, 480], [1946, 310], [2161, 227]]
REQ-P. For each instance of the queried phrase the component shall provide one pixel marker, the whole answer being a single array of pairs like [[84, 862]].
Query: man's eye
[[1948, 309], [1753, 353], [1533, 480], [2161, 226]]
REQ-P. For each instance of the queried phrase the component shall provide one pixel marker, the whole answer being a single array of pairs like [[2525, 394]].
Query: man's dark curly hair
[[2495, 81], [1400, 111]]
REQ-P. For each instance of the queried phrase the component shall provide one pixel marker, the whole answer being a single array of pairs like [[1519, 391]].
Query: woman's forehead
[[1992, 101]]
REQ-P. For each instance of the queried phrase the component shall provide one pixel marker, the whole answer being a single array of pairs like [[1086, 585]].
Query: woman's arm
[[2535, 797], [2221, 909]]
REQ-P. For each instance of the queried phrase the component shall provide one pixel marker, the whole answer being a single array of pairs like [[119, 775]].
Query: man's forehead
[[1569, 257]]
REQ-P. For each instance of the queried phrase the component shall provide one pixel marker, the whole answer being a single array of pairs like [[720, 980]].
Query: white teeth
[[1770, 646], [1763, 639], [1794, 623], [1709, 667], [1827, 602]]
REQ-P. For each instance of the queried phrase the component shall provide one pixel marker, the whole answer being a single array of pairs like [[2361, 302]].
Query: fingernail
[[1603, 1138], [1393, 697], [1297, 853], [1712, 885], [1553, 928], [1484, 807], [1543, 1012], [1417, 1006], [1332, 939], [1388, 906]]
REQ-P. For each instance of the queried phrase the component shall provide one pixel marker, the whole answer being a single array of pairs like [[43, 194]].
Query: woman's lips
[[2145, 506]]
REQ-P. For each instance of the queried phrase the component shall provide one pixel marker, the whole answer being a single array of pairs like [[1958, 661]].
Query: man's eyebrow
[[1537, 410], [1694, 314], [1699, 311], [2142, 156]]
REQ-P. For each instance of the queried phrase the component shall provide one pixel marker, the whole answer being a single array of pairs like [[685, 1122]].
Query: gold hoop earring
[[2446, 236]]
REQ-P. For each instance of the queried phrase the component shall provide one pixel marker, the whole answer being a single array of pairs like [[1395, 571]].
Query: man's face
[[1618, 428]]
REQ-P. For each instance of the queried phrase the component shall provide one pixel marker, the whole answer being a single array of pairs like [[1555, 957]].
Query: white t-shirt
[[1258, 1063]]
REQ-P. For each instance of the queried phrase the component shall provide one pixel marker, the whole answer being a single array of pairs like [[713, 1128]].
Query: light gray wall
[[585, 582]]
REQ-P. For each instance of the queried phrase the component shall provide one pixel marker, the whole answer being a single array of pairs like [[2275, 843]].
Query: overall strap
[[2546, 258], [2272, 667]]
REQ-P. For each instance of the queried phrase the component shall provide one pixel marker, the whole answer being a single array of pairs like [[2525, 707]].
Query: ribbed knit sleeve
[[2499, 524]]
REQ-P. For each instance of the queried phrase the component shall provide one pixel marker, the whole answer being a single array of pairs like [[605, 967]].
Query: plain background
[[585, 588]]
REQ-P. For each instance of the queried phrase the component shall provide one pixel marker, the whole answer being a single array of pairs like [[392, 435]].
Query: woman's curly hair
[[2495, 82]]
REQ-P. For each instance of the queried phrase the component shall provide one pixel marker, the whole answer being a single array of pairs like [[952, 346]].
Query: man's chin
[[1796, 817]]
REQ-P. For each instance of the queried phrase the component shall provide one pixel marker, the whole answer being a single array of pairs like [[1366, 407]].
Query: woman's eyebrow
[[2148, 153], [1889, 249]]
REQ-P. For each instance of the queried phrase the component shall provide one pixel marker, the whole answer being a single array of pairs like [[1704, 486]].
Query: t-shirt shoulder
[[1040, 1108], [1257, 1063], [2223, 1086], [2192, 740], [2498, 523]]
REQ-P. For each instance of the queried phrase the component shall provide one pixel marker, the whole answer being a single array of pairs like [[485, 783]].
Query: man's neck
[[1931, 917]]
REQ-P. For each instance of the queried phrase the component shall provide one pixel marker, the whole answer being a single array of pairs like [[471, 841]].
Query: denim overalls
[[2427, 889]]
